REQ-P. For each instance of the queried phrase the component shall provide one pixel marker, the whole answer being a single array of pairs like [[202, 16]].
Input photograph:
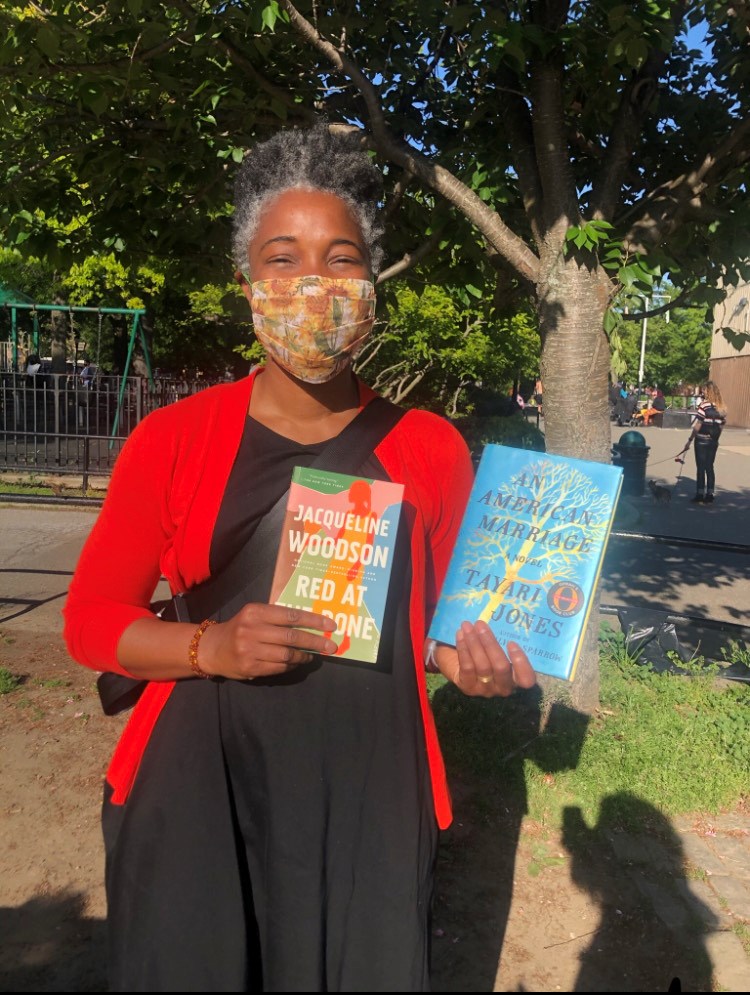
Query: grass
[[41, 490], [53, 682], [659, 745], [742, 929], [9, 682]]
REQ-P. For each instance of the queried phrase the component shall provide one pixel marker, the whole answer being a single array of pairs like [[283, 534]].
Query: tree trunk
[[575, 367]]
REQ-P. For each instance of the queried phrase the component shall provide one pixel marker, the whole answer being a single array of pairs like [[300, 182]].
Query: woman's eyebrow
[[292, 238], [347, 241], [277, 238]]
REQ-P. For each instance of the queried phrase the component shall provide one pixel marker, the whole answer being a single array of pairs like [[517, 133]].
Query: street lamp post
[[644, 327]]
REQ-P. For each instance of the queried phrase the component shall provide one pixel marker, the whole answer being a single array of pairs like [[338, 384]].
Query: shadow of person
[[486, 746], [631, 862], [49, 945]]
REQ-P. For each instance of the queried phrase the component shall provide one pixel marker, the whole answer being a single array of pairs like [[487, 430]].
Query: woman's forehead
[[303, 208]]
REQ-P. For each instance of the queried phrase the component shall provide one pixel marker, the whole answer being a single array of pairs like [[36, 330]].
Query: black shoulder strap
[[223, 595], [345, 454]]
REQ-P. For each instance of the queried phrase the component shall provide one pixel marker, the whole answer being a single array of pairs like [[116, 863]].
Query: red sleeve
[[119, 566], [452, 481]]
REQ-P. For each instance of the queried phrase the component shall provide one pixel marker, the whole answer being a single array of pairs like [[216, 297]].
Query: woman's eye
[[346, 261]]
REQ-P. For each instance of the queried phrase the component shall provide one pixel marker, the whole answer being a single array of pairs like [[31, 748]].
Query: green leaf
[[95, 99], [592, 234], [270, 15], [48, 41]]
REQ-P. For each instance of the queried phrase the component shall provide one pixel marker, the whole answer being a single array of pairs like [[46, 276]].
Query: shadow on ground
[[474, 883], [628, 868], [49, 945], [699, 581], [637, 876]]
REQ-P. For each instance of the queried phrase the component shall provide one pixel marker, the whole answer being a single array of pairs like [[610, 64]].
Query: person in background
[[708, 422], [33, 365], [656, 405], [271, 814], [88, 375]]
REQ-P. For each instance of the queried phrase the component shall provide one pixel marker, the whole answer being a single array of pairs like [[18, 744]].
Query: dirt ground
[[592, 934]]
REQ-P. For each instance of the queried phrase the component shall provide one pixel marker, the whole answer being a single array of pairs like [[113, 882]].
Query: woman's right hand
[[264, 640], [259, 641]]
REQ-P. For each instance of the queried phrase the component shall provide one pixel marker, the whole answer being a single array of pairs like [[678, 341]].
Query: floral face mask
[[313, 326]]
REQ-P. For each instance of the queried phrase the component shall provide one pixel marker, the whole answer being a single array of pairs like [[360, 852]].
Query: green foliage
[[122, 131], [680, 744], [433, 348], [8, 682], [189, 326], [502, 430], [677, 351], [589, 236]]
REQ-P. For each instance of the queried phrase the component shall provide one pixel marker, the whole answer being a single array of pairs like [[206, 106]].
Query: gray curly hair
[[308, 158]]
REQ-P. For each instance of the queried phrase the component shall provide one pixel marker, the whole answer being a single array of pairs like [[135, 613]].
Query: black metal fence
[[62, 423]]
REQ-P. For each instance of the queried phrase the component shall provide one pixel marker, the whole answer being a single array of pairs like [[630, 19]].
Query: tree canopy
[[678, 349], [123, 120], [566, 152]]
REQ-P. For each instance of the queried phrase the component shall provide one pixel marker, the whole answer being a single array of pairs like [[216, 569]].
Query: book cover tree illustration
[[529, 553], [336, 554]]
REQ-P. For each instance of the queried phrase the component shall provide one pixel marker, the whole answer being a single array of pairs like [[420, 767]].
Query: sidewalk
[[700, 582]]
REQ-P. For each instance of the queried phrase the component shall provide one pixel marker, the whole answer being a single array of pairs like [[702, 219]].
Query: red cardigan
[[159, 515]]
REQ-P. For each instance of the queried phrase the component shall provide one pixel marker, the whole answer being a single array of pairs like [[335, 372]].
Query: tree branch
[[548, 124], [514, 249], [515, 114], [659, 212], [399, 189], [243, 63], [628, 125], [410, 259], [678, 301]]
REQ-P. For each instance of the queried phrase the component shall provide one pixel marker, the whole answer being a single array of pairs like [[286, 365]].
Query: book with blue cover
[[529, 553], [336, 553]]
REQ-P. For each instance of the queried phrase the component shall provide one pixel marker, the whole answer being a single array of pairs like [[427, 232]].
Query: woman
[[274, 825], [708, 422]]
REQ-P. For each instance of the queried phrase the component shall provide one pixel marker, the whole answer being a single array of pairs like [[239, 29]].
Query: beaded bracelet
[[193, 649]]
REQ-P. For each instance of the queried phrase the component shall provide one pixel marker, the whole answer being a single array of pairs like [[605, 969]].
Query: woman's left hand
[[480, 667]]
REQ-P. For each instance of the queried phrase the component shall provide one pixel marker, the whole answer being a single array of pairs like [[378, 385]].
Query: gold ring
[[485, 680]]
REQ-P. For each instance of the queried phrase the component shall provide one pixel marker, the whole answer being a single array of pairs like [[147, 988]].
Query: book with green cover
[[529, 552], [336, 553]]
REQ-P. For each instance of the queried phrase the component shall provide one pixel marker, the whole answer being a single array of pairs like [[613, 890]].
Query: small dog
[[662, 494]]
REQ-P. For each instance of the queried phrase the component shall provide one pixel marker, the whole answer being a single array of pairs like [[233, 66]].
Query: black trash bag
[[650, 637]]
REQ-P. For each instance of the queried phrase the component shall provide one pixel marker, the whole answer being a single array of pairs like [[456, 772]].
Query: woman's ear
[[244, 284]]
